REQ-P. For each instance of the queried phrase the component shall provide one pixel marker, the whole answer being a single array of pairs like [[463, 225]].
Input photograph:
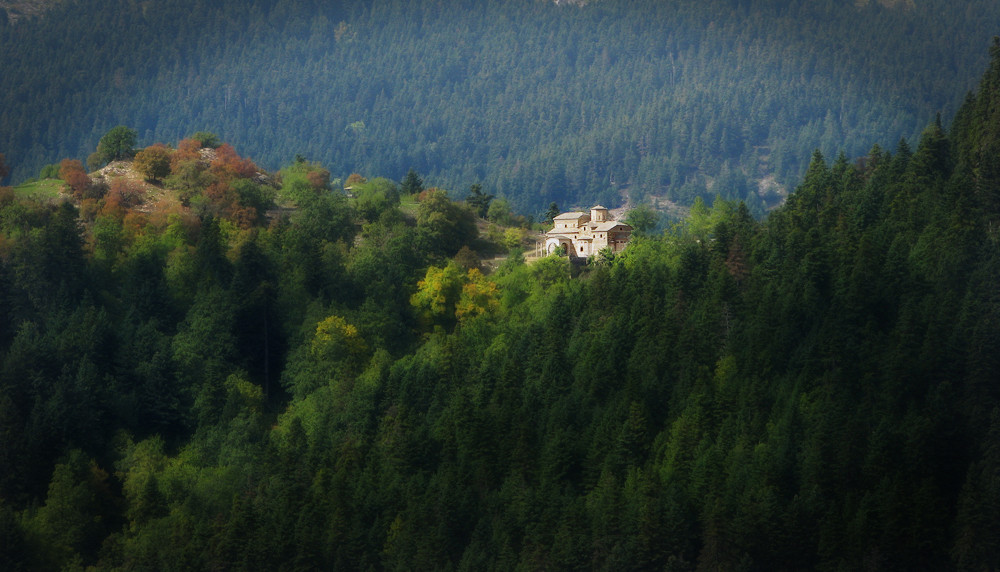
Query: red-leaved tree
[[319, 179], [228, 165], [71, 171], [122, 196], [187, 150]]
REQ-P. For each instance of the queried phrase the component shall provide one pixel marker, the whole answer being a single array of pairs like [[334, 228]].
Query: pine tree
[[412, 183]]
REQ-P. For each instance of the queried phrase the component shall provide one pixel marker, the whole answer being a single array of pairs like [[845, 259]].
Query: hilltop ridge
[[345, 388], [670, 99]]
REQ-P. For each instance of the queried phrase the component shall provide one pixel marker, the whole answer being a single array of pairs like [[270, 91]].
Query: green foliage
[[207, 139], [412, 184], [438, 293], [812, 391], [260, 198], [50, 171], [478, 201], [551, 270], [444, 226], [190, 178], [13, 553], [302, 182], [513, 238], [72, 522], [551, 213], [643, 220], [499, 212], [536, 112], [338, 341], [118, 143], [375, 197]]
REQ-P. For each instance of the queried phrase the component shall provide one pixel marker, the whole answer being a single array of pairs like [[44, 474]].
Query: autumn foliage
[[354, 179], [319, 179], [448, 295], [153, 162], [123, 195], [216, 182], [187, 150], [228, 165], [7, 196], [71, 171], [224, 201]]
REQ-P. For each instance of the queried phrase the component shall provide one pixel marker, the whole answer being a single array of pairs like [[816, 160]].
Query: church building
[[582, 234]]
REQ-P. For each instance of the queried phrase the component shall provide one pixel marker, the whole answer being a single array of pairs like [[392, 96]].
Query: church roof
[[570, 215], [611, 224], [562, 231]]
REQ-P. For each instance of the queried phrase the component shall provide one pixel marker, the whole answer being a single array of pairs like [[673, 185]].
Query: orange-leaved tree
[[71, 171], [319, 179], [153, 162], [228, 165], [187, 150]]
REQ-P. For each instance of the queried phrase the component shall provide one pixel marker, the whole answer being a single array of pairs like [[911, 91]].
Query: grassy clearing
[[408, 204], [44, 190]]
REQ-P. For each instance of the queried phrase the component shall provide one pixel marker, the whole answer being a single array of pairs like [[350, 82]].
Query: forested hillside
[[342, 388], [537, 101]]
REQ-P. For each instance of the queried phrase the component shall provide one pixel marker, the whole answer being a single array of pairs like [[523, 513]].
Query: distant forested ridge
[[537, 101], [342, 386]]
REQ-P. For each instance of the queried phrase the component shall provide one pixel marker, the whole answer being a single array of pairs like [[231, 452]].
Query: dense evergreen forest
[[539, 102], [341, 387]]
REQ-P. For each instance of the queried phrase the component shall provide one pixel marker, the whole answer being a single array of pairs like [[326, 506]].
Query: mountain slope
[[813, 391], [537, 101]]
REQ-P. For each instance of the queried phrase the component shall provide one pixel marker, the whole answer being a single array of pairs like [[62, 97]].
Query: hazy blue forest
[[193, 378], [537, 102]]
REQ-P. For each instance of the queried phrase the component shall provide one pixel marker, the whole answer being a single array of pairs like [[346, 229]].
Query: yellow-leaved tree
[[479, 297], [339, 342], [449, 295], [333, 359]]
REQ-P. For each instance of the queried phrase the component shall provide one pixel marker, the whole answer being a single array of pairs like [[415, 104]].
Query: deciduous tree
[[206, 139], [228, 165], [153, 162], [118, 143], [443, 225], [187, 150], [124, 194], [643, 219], [375, 197], [438, 293], [480, 296], [71, 171]]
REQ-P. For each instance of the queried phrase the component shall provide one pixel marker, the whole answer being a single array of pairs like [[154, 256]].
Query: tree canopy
[[184, 385], [118, 143], [723, 97]]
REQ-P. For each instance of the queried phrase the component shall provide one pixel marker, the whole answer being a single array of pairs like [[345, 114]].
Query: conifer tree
[[412, 183]]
